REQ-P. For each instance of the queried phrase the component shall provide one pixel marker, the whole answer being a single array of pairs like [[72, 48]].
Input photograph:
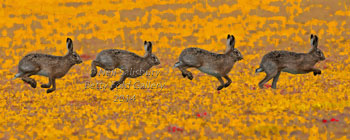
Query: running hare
[[131, 64], [296, 63], [217, 65], [50, 66]]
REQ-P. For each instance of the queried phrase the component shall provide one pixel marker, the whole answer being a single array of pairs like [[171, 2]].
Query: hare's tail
[[177, 64], [17, 75], [259, 70]]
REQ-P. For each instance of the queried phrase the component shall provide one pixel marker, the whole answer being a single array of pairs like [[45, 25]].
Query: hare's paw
[[115, 84], [190, 76], [45, 86], [93, 72], [184, 75], [227, 84], [261, 86], [220, 87], [29, 81], [50, 90], [317, 72], [33, 84], [113, 87]]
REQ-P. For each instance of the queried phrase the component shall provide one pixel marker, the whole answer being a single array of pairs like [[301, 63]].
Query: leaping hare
[[50, 66], [295, 63], [131, 64], [217, 65]]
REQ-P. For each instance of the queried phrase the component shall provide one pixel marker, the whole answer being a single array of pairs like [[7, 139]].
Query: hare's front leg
[[121, 80], [28, 80], [48, 85], [53, 82], [221, 82], [229, 81]]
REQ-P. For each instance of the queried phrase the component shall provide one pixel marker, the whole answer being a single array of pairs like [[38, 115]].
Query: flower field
[[163, 104]]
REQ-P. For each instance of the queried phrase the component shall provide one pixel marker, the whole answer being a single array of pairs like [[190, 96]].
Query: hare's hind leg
[[29, 69], [28, 80], [275, 79], [93, 68], [185, 72], [182, 67], [268, 77], [107, 65], [271, 71]]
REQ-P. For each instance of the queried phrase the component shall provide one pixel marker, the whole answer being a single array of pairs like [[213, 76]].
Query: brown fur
[[47, 65], [276, 62], [217, 65], [132, 64]]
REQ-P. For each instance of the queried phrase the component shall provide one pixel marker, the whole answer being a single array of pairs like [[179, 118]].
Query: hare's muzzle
[[80, 61], [240, 58]]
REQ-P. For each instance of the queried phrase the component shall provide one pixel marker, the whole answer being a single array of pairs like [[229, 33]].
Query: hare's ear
[[230, 44], [148, 47], [70, 45], [145, 42], [228, 36], [233, 42], [314, 41]]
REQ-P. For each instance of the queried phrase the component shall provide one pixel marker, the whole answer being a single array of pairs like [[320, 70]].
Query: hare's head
[[230, 49], [151, 58], [316, 52], [72, 55]]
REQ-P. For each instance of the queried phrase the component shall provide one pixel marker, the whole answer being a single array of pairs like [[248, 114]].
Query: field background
[[184, 109]]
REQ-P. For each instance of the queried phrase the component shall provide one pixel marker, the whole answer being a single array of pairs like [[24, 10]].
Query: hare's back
[[198, 57], [41, 58], [198, 52], [281, 56], [117, 55]]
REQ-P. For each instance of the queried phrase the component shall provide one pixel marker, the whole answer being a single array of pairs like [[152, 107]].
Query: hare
[[217, 65], [50, 66], [131, 64], [275, 62]]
